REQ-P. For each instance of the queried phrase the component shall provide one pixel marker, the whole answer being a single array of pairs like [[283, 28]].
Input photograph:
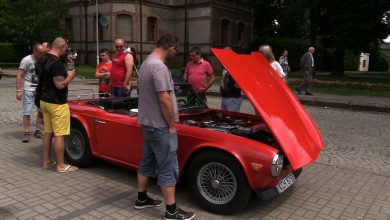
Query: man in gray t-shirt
[[26, 72], [154, 77], [157, 114]]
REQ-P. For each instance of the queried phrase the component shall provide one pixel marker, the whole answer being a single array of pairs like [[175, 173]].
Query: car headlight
[[277, 164]]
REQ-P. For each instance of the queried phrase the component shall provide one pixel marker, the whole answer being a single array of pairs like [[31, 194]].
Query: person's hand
[[19, 95], [72, 73], [107, 75], [103, 70], [202, 90], [172, 130]]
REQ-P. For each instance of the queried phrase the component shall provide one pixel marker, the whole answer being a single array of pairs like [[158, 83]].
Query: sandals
[[68, 168]]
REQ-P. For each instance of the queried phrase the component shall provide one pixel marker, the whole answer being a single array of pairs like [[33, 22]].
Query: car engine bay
[[227, 122]]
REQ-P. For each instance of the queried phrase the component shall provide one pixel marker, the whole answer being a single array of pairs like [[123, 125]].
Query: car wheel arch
[[202, 149], [83, 123]]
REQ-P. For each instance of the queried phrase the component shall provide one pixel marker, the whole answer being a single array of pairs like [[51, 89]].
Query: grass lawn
[[86, 71], [350, 76], [379, 80]]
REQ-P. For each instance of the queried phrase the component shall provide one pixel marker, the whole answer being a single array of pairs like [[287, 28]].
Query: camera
[[71, 56]]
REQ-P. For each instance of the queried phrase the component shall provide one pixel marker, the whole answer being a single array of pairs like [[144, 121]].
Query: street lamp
[[97, 28]]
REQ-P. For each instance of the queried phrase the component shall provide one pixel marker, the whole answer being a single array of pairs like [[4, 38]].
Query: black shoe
[[148, 203], [26, 137], [308, 93], [298, 90], [179, 215]]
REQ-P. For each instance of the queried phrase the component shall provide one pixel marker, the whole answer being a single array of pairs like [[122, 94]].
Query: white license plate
[[285, 182]]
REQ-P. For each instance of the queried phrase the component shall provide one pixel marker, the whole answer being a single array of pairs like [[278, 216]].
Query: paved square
[[350, 180]]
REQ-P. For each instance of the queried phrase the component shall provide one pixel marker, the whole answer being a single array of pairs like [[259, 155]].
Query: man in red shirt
[[199, 75], [103, 72], [122, 70]]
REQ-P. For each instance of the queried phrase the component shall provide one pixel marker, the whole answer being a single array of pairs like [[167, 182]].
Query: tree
[[338, 26], [25, 22], [354, 25]]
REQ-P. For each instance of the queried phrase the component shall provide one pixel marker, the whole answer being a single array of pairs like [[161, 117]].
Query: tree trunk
[[338, 62]]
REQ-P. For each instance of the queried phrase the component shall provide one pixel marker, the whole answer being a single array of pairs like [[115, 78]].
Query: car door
[[118, 137]]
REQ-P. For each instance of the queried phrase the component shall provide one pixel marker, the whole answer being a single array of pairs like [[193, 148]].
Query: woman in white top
[[266, 50]]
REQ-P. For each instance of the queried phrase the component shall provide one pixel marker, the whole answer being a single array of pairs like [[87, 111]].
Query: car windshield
[[187, 100]]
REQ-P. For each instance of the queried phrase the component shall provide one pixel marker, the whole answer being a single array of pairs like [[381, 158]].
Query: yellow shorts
[[56, 118]]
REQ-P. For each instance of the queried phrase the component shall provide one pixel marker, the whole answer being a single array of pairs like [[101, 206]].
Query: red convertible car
[[224, 156]]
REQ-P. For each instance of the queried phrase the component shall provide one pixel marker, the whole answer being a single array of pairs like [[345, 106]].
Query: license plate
[[285, 183]]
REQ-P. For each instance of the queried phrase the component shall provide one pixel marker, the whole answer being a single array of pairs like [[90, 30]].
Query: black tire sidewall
[[87, 158]]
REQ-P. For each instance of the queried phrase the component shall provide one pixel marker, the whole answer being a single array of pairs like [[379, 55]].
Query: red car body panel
[[119, 141], [117, 137], [282, 112]]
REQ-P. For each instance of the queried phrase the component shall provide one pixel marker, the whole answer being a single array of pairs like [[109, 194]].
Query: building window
[[152, 29], [225, 32], [124, 26], [241, 34], [69, 24]]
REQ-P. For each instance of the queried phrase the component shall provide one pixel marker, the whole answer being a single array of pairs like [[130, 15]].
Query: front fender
[[245, 156], [88, 126]]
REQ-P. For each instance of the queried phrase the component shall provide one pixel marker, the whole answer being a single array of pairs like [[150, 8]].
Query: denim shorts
[[28, 101], [231, 104], [159, 157]]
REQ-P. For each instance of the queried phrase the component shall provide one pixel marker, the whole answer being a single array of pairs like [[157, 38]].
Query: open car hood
[[282, 112]]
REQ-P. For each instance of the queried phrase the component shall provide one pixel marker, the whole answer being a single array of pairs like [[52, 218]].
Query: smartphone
[[70, 66]]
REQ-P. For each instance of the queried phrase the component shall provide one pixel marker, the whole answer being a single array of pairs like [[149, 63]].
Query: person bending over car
[[158, 115]]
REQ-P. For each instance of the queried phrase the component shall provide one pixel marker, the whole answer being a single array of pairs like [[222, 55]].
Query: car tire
[[213, 193], [77, 148]]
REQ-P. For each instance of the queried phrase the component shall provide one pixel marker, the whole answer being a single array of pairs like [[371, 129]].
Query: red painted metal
[[284, 115]]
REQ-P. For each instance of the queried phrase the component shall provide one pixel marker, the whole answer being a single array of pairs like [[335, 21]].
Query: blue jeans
[[118, 92], [28, 101], [231, 104], [159, 155]]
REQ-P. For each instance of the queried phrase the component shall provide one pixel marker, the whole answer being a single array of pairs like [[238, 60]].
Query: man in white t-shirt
[[27, 91]]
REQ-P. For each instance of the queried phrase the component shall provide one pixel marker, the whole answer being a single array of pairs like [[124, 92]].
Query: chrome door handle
[[100, 122]]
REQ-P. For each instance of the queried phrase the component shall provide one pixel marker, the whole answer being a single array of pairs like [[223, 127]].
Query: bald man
[[54, 104], [122, 69], [27, 91], [307, 67]]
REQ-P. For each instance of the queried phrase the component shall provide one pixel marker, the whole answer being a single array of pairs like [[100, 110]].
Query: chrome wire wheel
[[217, 183], [75, 144]]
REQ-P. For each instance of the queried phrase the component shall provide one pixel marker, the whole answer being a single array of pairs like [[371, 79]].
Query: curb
[[351, 106]]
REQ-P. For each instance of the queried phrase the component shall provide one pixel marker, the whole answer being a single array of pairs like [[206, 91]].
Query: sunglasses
[[118, 46]]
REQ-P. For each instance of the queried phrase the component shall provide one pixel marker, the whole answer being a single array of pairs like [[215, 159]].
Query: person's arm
[[129, 69], [211, 76], [185, 75], [19, 80], [61, 82], [102, 72], [167, 109]]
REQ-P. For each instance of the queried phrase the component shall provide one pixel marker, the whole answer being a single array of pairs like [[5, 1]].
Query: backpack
[[40, 66]]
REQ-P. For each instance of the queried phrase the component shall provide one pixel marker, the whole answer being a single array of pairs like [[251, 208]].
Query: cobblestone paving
[[350, 180]]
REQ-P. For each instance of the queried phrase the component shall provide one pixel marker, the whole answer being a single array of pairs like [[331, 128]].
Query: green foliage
[[351, 61], [336, 28], [378, 61], [296, 48], [25, 22], [9, 53]]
